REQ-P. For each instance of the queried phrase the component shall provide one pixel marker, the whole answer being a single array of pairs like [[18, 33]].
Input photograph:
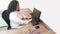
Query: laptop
[[36, 17]]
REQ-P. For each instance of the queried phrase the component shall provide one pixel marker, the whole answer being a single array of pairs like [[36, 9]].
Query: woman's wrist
[[22, 18]]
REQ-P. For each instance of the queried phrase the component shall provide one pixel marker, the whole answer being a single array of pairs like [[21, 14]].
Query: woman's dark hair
[[12, 6], [5, 14]]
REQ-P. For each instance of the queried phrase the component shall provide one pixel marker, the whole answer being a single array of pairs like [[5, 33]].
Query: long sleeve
[[14, 18]]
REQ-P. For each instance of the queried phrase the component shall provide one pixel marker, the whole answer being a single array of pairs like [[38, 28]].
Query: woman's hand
[[24, 18]]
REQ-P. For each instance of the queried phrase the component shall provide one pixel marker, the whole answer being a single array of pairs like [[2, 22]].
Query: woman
[[13, 14]]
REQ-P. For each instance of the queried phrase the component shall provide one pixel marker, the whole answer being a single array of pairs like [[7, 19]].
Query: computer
[[36, 13], [36, 17]]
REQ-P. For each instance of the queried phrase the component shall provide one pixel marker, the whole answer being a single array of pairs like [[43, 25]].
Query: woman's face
[[17, 7]]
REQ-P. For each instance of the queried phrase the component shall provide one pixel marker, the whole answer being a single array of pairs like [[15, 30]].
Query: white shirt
[[16, 19]]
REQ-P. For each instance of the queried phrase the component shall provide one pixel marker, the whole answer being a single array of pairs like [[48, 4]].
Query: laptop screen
[[36, 13], [36, 17]]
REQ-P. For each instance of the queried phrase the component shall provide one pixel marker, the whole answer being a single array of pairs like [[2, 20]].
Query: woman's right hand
[[23, 18]]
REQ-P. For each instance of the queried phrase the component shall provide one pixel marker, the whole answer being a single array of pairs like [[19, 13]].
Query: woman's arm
[[13, 16]]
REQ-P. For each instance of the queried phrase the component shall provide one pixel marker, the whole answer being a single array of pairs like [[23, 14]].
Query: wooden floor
[[43, 29]]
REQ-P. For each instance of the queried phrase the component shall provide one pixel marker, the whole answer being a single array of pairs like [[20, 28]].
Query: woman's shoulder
[[12, 13]]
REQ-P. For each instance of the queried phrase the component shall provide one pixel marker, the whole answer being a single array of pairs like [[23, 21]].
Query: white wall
[[50, 10]]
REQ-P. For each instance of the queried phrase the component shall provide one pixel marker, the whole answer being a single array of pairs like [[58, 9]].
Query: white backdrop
[[50, 10]]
